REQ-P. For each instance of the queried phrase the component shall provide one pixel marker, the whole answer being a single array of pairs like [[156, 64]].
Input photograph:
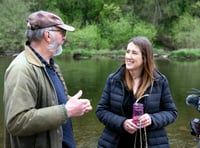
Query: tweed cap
[[44, 19]]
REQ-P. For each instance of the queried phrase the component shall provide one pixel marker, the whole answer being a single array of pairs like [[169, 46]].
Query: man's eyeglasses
[[62, 32]]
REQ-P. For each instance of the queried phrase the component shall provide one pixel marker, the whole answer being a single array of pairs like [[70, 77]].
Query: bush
[[86, 37], [109, 35], [118, 32], [144, 29], [186, 32], [186, 53], [13, 24]]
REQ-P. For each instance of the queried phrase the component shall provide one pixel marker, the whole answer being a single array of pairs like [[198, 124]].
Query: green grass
[[185, 53], [181, 53], [88, 53]]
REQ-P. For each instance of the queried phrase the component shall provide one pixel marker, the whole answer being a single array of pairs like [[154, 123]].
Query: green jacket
[[33, 117]]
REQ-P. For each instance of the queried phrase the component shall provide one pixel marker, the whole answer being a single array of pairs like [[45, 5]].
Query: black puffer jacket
[[159, 105]]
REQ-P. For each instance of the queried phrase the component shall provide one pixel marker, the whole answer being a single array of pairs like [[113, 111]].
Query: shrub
[[86, 37], [13, 24], [186, 53], [144, 29], [118, 32], [186, 32]]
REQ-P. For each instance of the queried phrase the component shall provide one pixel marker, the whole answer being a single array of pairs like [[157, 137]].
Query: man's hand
[[77, 107]]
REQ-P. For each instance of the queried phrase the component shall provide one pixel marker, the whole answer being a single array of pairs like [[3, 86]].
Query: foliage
[[186, 31], [82, 12], [116, 33], [145, 29], [110, 12], [186, 53], [13, 17], [86, 38], [195, 9], [113, 34], [108, 24], [89, 52]]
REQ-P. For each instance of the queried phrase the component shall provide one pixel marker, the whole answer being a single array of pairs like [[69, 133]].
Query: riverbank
[[188, 54]]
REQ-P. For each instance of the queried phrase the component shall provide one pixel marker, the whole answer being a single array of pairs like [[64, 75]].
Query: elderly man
[[38, 109]]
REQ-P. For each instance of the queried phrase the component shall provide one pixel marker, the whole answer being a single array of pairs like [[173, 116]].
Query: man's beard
[[54, 46], [58, 51]]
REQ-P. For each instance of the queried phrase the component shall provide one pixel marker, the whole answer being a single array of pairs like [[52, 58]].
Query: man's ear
[[47, 36]]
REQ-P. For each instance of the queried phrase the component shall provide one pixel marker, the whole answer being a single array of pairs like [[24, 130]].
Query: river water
[[90, 76]]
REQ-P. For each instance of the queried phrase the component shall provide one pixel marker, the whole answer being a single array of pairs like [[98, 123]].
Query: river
[[90, 76]]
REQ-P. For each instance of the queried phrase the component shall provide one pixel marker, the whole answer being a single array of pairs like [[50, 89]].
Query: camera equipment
[[194, 100], [195, 127]]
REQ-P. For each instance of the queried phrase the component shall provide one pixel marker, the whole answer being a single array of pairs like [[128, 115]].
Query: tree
[[13, 23]]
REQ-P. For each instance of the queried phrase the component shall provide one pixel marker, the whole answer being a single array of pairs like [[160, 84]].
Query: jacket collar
[[31, 57], [119, 74], [157, 75]]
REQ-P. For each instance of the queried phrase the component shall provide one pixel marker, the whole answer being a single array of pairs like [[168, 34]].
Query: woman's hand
[[145, 120], [129, 126]]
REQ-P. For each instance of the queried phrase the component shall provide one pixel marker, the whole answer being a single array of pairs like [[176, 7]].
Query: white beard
[[58, 51], [54, 46]]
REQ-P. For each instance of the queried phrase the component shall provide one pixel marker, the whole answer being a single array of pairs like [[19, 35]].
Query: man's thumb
[[78, 94]]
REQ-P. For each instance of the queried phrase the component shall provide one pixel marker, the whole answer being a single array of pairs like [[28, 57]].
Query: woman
[[136, 81]]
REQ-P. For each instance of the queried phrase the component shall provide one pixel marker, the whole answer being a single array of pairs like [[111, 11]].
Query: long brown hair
[[148, 66]]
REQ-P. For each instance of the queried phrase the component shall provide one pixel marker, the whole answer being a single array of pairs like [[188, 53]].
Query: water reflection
[[182, 76], [90, 76]]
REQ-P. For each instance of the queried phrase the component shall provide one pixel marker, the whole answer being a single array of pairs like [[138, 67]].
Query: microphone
[[194, 101]]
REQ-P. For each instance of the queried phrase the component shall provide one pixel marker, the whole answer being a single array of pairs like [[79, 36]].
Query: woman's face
[[133, 57]]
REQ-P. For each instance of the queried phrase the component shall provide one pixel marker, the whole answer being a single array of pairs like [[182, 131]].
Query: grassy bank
[[85, 53], [76, 53], [179, 54], [185, 54]]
